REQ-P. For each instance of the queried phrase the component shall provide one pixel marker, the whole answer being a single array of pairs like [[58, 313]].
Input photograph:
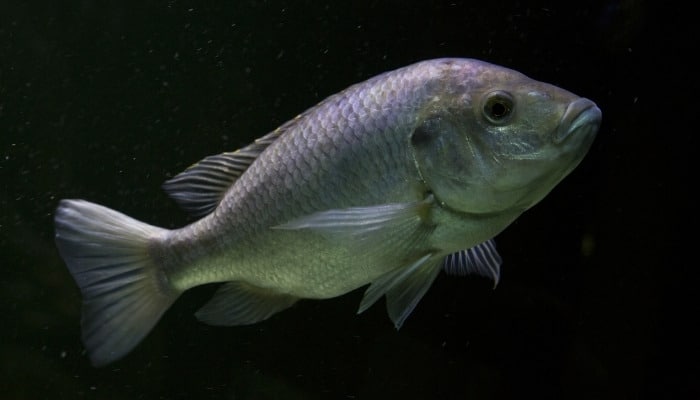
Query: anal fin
[[239, 303]]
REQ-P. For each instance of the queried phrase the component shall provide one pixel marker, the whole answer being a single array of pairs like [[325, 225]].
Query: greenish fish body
[[386, 183]]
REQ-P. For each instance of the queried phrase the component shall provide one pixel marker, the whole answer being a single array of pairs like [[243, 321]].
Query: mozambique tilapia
[[386, 183]]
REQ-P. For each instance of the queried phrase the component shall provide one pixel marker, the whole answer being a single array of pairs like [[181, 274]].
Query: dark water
[[105, 102]]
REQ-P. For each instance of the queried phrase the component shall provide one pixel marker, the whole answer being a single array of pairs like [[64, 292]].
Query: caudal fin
[[124, 292]]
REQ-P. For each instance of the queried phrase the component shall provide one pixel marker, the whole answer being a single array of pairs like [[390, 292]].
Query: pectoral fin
[[387, 228], [239, 303], [382, 232]]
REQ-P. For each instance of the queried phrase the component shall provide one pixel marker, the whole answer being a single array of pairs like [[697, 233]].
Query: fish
[[382, 185]]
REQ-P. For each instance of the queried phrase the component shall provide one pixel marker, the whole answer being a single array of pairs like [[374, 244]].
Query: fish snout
[[581, 119]]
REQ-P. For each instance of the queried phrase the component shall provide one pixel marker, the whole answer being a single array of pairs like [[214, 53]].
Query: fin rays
[[200, 188], [482, 259], [123, 297], [239, 303]]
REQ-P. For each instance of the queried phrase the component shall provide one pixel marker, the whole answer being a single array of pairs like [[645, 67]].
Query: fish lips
[[581, 119]]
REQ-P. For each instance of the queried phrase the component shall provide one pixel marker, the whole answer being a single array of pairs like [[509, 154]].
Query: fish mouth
[[581, 119]]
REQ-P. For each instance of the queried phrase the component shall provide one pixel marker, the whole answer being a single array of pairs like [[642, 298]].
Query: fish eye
[[498, 107]]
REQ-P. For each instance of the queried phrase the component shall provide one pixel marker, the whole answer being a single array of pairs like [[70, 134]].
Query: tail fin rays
[[124, 292]]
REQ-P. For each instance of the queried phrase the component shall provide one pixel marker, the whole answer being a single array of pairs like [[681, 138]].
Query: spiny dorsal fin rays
[[200, 188], [405, 287], [482, 259]]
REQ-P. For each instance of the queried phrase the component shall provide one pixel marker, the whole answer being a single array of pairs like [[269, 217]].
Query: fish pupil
[[498, 107], [499, 110], [422, 135]]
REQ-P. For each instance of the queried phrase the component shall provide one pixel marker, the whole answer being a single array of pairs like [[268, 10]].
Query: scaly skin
[[353, 149], [375, 185]]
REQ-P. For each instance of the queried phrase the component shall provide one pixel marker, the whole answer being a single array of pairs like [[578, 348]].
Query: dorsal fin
[[482, 259], [200, 188]]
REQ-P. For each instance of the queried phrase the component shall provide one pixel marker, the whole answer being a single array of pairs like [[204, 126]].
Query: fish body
[[385, 183]]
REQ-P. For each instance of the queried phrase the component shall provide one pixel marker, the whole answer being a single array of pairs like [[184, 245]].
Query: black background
[[106, 101]]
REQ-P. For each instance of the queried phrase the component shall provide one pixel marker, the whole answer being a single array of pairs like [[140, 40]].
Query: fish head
[[498, 141]]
